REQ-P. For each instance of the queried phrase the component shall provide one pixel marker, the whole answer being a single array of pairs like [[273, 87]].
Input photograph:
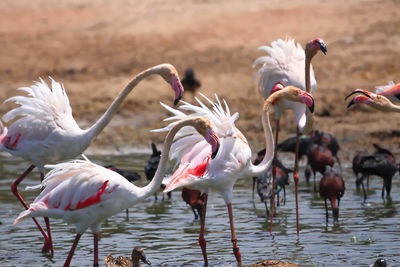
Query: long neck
[[154, 185], [308, 75], [394, 108], [256, 170], [101, 123], [309, 117]]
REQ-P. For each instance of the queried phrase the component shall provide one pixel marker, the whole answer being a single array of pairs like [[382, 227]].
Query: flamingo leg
[[202, 240], [96, 250], [254, 184], [296, 177], [48, 246], [274, 175], [234, 240], [71, 252]]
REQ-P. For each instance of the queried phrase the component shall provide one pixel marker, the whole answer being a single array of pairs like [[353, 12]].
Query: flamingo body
[[285, 66]]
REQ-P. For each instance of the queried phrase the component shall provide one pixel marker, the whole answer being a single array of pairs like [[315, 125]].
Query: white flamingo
[[288, 64], [84, 194], [44, 131], [197, 171]]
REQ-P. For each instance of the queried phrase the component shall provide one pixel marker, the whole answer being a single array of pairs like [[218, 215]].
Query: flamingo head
[[378, 102], [138, 254], [314, 46], [203, 126], [295, 94], [170, 75]]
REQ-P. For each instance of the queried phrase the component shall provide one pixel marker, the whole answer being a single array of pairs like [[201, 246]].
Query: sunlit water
[[168, 233]]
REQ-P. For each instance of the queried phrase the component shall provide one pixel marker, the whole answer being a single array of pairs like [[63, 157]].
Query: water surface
[[168, 233]]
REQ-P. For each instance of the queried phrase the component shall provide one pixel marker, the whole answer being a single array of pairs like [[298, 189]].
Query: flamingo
[[285, 66], [137, 256], [84, 194], [43, 129], [332, 186], [196, 171]]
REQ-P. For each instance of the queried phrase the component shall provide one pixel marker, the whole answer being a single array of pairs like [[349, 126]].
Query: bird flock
[[209, 151]]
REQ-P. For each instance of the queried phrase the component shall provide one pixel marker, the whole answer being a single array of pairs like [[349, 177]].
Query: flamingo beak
[[178, 88], [361, 91], [322, 46], [213, 140], [352, 102], [307, 99]]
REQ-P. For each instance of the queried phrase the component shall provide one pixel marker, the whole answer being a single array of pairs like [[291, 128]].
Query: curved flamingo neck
[[256, 170], [101, 123], [309, 117], [154, 185], [392, 107]]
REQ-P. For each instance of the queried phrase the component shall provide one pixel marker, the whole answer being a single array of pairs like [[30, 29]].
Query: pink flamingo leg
[[96, 250], [296, 176], [274, 175], [202, 240], [71, 252], [234, 240], [48, 246]]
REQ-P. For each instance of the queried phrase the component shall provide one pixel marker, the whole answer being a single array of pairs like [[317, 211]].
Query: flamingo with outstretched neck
[[285, 66], [43, 130], [84, 194], [197, 171]]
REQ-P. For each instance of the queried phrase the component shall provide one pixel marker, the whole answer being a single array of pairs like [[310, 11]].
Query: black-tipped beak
[[357, 91], [177, 100], [323, 48], [351, 103], [214, 154], [312, 107]]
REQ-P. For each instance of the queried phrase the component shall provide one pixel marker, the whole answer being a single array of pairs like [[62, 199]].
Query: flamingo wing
[[77, 185], [284, 64], [40, 113]]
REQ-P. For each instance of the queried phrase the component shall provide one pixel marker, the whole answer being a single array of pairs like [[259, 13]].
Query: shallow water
[[168, 233]]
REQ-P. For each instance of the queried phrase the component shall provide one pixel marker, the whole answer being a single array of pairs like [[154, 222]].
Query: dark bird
[[319, 157], [264, 181], [151, 166], [129, 175], [289, 145], [379, 263], [328, 140], [332, 187], [195, 199], [137, 256], [189, 82], [381, 165]]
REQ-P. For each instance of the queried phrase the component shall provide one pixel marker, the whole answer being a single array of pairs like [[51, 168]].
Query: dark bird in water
[[379, 263], [195, 199], [380, 163], [151, 166], [264, 181], [137, 256], [321, 139], [189, 82], [319, 157], [332, 187], [129, 175]]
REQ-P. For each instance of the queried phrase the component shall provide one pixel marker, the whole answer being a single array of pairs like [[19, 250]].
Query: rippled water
[[168, 232]]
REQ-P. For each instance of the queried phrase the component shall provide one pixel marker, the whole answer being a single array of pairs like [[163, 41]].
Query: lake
[[168, 233]]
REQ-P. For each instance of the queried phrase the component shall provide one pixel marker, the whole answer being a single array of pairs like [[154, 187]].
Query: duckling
[[272, 263], [134, 261]]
